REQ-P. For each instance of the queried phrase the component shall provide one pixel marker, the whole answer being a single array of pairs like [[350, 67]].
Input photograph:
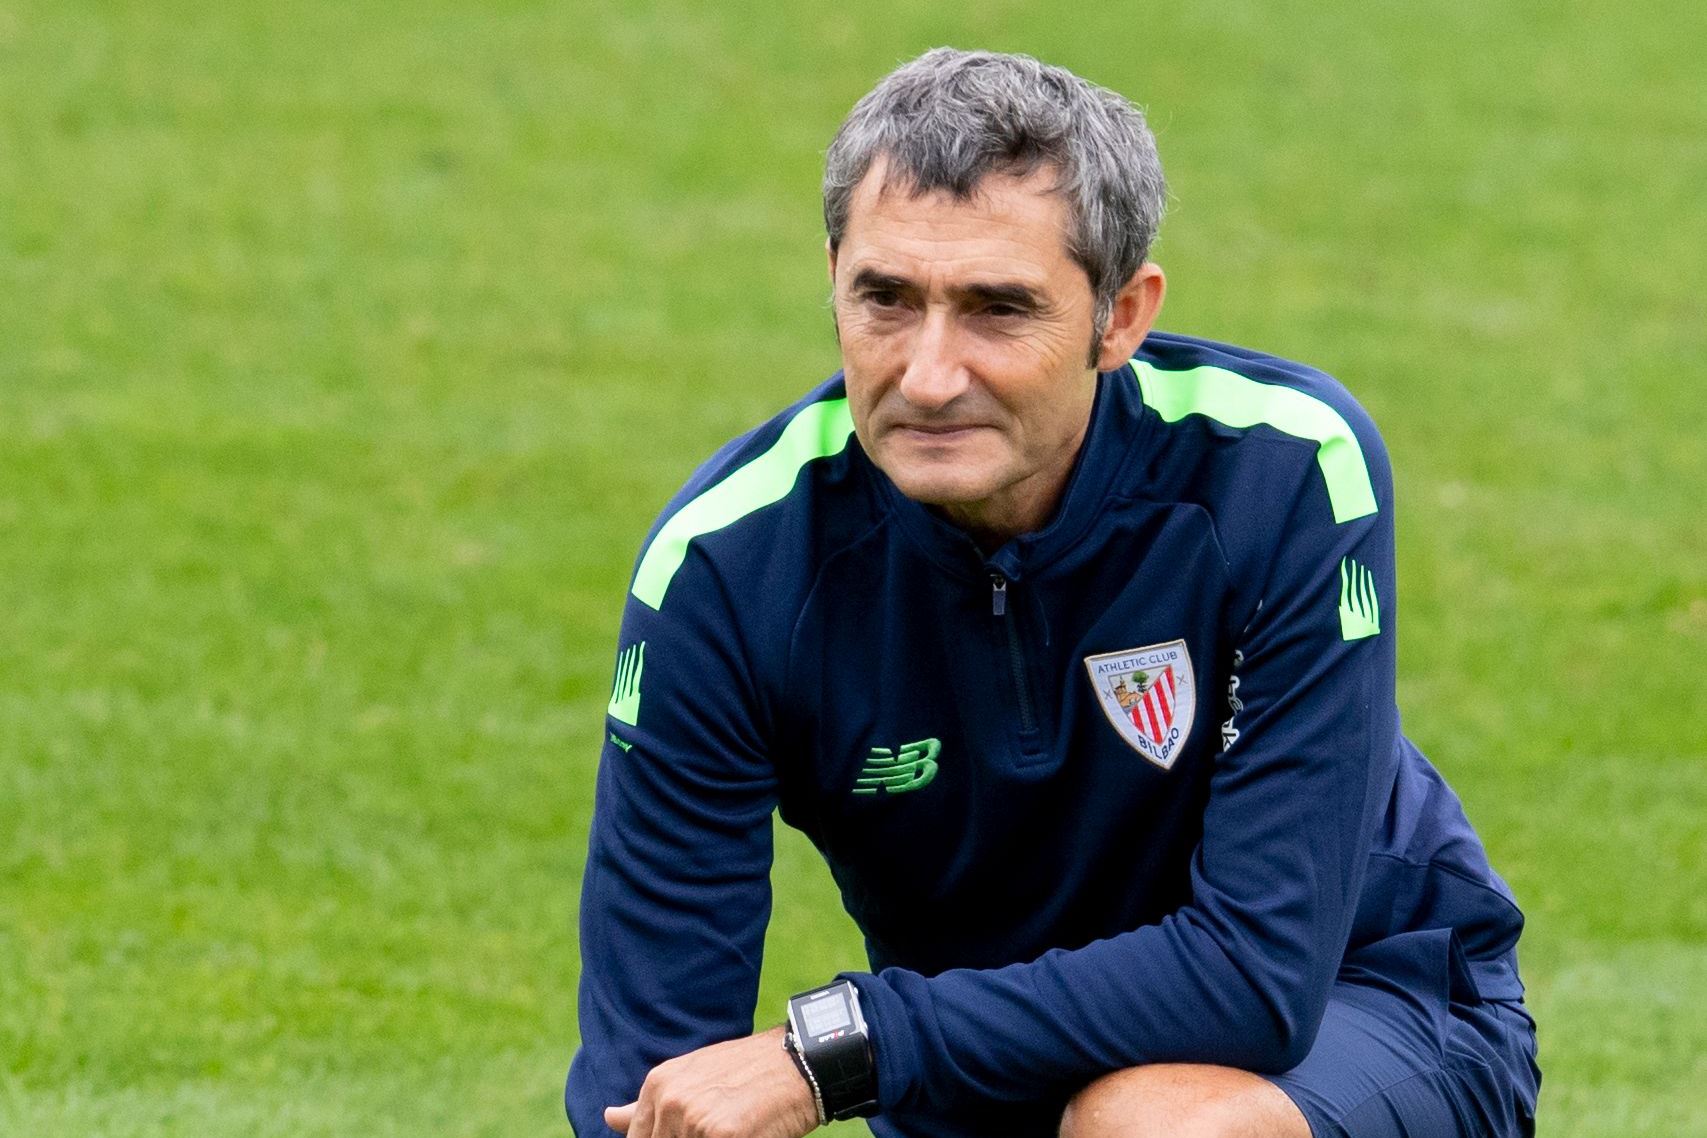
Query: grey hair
[[949, 118]]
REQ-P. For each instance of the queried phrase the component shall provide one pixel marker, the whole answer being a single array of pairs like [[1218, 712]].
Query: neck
[[1024, 507]]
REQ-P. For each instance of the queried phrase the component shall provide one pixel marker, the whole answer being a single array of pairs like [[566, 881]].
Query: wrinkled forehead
[[919, 174], [888, 179], [1024, 208]]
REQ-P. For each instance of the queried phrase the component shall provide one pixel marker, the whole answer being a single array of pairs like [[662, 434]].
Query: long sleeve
[[676, 893], [1241, 974]]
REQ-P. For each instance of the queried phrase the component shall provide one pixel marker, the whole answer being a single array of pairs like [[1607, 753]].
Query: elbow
[[1284, 1052], [1266, 1052], [1288, 1031], [1265, 1023], [1276, 1007]]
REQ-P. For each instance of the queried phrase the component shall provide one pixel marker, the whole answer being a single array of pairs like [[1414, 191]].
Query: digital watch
[[827, 1035]]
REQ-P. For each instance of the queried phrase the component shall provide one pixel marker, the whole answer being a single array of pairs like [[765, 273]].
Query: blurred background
[[347, 351]]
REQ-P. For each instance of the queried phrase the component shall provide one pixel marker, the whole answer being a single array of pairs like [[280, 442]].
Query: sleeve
[[1240, 976], [676, 892]]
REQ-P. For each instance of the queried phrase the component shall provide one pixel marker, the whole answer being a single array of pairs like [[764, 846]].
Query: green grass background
[[347, 350]]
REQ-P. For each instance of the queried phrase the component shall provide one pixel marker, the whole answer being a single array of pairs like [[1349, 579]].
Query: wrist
[[816, 1109], [828, 1037]]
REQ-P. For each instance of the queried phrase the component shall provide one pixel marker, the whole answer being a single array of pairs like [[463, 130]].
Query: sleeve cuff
[[894, 1043]]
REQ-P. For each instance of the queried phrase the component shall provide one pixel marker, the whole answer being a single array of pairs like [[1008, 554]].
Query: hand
[[745, 1088]]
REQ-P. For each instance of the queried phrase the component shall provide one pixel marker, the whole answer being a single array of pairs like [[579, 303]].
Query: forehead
[[1016, 226]]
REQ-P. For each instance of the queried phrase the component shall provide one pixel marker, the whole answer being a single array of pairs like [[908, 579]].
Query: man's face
[[963, 329]]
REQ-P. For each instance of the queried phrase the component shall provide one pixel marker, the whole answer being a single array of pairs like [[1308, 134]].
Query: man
[[1071, 647]]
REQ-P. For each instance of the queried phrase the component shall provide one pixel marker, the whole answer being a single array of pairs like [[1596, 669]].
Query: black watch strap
[[832, 1041]]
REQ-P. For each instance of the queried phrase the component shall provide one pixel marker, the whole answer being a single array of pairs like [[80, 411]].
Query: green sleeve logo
[[893, 773], [625, 692], [1360, 608]]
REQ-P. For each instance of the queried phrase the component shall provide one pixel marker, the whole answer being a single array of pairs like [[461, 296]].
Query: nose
[[935, 374]]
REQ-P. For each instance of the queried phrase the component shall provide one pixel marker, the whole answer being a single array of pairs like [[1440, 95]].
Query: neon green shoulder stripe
[[820, 430], [1239, 401]]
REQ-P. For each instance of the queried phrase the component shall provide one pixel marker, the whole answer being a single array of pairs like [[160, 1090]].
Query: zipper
[[1016, 653]]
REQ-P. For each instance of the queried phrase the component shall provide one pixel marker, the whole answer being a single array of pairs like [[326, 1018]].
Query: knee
[[1126, 1104], [1182, 1101]]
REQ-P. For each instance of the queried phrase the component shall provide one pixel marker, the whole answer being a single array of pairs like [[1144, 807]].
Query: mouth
[[937, 430]]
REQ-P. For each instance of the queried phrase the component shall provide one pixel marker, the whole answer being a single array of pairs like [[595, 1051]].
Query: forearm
[[669, 962], [1165, 993]]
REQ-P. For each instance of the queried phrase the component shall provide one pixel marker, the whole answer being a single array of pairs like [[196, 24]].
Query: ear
[[830, 255], [1136, 307]]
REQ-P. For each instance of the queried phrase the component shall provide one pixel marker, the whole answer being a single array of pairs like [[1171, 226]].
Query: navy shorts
[[1409, 1050]]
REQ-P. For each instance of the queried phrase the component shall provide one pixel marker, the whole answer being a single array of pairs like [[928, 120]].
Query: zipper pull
[[998, 595]]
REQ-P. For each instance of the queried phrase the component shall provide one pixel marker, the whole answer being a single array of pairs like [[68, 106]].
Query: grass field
[[347, 350]]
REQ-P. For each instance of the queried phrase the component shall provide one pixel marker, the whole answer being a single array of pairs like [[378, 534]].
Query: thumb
[[619, 1118]]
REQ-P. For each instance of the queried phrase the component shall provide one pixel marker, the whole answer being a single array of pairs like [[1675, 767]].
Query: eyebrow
[[1003, 292], [882, 282], [990, 292]]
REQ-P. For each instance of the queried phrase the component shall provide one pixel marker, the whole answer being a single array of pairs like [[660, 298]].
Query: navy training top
[[1128, 790]]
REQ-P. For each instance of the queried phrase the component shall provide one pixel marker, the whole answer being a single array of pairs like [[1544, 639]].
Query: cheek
[[861, 400], [1055, 414], [856, 331], [1047, 353], [871, 362], [865, 385]]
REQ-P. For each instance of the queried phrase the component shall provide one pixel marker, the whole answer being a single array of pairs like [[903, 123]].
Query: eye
[[1003, 310], [883, 298]]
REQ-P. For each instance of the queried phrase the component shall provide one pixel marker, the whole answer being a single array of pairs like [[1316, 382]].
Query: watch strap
[[832, 1041]]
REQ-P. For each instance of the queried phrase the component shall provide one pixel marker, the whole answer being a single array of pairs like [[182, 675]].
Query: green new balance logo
[[1360, 608], [625, 692], [893, 773]]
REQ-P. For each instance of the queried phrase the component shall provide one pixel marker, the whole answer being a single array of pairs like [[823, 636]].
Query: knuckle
[[659, 1082]]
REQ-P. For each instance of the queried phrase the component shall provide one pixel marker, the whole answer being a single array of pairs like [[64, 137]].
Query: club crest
[[1149, 696]]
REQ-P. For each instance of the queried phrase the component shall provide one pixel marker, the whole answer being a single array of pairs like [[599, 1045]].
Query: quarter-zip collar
[[1117, 426]]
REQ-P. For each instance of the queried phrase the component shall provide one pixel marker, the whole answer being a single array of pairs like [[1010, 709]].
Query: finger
[[620, 1118]]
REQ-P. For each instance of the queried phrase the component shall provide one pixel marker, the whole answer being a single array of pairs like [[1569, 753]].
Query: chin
[[940, 487]]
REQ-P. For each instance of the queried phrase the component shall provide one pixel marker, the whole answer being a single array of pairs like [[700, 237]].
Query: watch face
[[825, 1015]]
